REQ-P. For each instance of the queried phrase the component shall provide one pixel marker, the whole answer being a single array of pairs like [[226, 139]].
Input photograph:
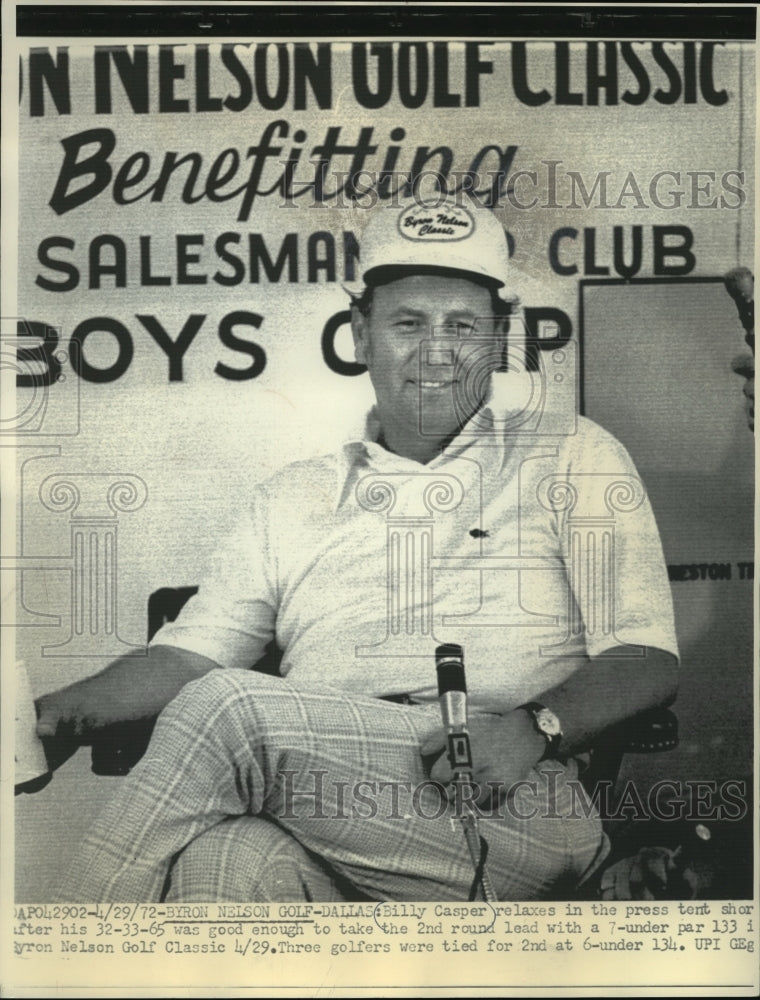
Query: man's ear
[[359, 331]]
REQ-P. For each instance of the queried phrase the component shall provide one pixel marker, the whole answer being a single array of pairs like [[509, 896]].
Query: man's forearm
[[609, 689], [604, 692], [131, 687]]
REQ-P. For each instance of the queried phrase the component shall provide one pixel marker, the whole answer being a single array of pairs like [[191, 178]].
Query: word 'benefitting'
[[362, 173]]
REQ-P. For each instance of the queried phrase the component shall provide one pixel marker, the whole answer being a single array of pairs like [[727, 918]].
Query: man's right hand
[[61, 725], [131, 688], [60, 714]]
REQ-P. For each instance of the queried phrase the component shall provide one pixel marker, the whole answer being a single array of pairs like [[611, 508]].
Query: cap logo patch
[[429, 224]]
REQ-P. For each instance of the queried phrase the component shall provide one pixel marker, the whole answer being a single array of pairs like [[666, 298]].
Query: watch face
[[548, 722]]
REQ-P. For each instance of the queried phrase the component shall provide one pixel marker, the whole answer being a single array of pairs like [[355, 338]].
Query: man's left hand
[[744, 365], [504, 749]]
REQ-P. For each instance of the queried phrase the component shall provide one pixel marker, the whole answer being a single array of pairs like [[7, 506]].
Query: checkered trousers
[[340, 775]]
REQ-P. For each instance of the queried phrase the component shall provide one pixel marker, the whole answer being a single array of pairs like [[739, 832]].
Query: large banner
[[188, 212]]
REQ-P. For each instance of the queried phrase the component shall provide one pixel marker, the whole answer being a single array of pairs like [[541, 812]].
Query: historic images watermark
[[313, 795], [549, 185]]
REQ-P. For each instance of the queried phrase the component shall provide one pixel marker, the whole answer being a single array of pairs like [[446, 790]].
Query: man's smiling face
[[403, 314]]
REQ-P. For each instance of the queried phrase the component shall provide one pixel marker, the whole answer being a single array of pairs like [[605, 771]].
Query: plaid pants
[[340, 775]]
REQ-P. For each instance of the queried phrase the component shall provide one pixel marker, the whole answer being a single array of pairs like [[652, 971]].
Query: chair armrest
[[117, 749], [653, 731]]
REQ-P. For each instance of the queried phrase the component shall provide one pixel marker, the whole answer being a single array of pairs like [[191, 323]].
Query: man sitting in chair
[[443, 523]]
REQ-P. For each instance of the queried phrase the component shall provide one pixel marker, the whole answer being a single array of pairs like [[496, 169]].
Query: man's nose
[[440, 349], [438, 356]]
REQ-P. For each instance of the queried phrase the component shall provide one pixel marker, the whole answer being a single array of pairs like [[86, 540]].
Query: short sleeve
[[232, 617], [612, 549]]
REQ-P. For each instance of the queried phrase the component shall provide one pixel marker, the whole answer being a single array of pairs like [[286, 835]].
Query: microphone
[[452, 693]]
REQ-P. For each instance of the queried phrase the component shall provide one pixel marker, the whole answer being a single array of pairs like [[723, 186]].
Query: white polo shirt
[[530, 552]]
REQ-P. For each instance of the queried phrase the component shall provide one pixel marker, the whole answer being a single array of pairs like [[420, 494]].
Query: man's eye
[[407, 324]]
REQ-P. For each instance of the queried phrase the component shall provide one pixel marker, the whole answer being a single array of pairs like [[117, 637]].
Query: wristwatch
[[547, 724]]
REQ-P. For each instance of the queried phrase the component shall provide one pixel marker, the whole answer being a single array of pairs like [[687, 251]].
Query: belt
[[399, 699]]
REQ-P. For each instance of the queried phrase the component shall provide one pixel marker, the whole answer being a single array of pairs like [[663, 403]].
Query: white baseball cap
[[437, 234]]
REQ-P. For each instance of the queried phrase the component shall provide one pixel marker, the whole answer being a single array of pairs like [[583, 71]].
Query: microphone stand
[[453, 695], [475, 843]]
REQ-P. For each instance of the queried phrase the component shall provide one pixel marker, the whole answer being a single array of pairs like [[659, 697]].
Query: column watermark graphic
[[41, 411], [592, 504], [93, 502], [410, 520]]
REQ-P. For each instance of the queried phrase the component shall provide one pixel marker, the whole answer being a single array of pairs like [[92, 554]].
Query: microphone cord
[[478, 848], [480, 872]]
